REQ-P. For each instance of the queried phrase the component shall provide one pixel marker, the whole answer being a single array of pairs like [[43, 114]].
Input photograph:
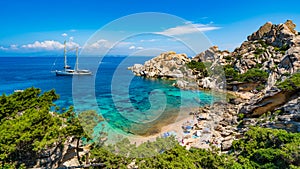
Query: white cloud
[[14, 47], [102, 43], [49, 45], [71, 38], [3, 48], [73, 30], [64, 35], [131, 47], [150, 40], [135, 47], [188, 29]]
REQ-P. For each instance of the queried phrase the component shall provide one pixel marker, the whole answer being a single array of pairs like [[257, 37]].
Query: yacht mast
[[65, 55], [76, 66]]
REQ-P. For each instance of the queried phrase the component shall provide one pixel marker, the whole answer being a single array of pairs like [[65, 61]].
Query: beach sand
[[168, 123]]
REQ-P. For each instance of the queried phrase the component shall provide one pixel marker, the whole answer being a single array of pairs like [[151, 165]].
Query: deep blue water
[[121, 98]]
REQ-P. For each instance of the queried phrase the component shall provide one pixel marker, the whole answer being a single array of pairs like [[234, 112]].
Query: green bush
[[27, 126], [196, 65], [259, 51], [268, 148], [263, 43], [230, 72], [254, 75], [199, 66], [228, 58], [291, 83], [259, 148], [282, 49]]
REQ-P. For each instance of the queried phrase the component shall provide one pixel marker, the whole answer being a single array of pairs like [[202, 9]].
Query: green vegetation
[[196, 65], [228, 58], [291, 83], [230, 72], [254, 75], [282, 49], [259, 51], [258, 66], [199, 66], [268, 148], [27, 129], [263, 43], [260, 148]]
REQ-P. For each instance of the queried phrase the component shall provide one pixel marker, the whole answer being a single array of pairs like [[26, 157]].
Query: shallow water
[[129, 104]]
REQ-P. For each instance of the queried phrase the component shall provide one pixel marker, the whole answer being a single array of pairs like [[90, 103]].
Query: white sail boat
[[67, 69]]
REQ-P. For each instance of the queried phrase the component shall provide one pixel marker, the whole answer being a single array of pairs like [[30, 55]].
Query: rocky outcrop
[[259, 106], [291, 62], [221, 119], [275, 35], [273, 48], [211, 55], [168, 64], [287, 117]]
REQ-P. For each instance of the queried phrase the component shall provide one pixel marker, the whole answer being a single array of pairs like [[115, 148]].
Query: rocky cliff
[[273, 49], [253, 70], [168, 65]]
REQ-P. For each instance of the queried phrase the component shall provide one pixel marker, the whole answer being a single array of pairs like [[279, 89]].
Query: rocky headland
[[261, 76]]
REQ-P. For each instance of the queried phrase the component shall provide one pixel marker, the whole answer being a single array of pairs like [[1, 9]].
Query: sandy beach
[[172, 124]]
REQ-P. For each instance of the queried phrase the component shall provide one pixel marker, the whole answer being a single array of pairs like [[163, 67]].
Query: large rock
[[168, 64], [291, 26], [266, 28], [277, 35], [226, 145], [209, 55], [291, 61], [288, 118]]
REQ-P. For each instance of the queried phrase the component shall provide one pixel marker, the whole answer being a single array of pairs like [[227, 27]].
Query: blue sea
[[127, 103]]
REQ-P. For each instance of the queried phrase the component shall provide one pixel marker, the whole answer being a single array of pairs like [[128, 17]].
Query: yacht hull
[[75, 73]]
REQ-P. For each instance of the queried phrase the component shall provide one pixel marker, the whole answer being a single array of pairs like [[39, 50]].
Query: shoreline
[[173, 127]]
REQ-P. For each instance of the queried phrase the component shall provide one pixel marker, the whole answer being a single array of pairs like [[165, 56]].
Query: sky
[[40, 27]]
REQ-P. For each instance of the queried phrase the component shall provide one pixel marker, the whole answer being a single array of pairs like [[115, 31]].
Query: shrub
[[200, 66], [228, 58], [259, 51], [230, 72], [291, 83], [254, 75], [263, 43], [268, 148]]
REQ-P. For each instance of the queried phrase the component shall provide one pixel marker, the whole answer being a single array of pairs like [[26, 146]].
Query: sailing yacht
[[67, 69]]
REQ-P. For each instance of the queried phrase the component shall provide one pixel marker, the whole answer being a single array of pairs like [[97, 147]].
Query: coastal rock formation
[[275, 35], [221, 119], [168, 64], [268, 102], [287, 117], [211, 55], [273, 49]]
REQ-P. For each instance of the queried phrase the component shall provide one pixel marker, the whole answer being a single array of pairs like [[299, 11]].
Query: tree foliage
[[260, 148], [291, 83], [268, 148], [254, 75], [27, 126]]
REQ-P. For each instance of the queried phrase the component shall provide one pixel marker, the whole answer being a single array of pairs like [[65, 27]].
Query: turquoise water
[[126, 102]]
